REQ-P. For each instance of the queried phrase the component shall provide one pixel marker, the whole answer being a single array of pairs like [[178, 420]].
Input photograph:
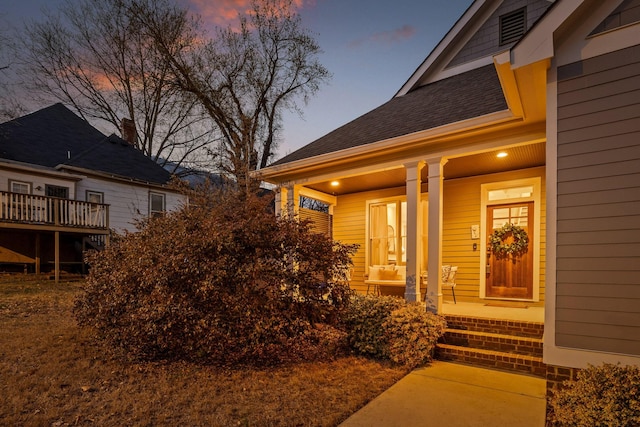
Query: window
[[95, 197], [156, 204], [388, 233], [56, 191], [20, 187], [510, 193], [512, 26]]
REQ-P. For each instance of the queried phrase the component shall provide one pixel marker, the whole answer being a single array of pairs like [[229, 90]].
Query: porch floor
[[523, 313]]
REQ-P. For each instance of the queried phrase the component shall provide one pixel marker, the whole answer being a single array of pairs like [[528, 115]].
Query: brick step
[[496, 326], [492, 359], [492, 341]]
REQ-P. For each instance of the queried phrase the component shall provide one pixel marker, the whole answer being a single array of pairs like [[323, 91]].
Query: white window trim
[[28, 184], [164, 203], [91, 192], [424, 197]]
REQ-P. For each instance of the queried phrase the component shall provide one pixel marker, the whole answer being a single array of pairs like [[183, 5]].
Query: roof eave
[[397, 144], [39, 170], [111, 176], [538, 44]]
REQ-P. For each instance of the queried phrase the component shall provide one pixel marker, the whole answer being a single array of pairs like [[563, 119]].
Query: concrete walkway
[[450, 394]]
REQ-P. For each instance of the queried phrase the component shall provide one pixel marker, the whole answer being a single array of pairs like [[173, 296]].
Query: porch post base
[[412, 292], [434, 302]]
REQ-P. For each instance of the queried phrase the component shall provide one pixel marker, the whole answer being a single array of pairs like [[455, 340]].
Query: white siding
[[35, 181], [127, 201]]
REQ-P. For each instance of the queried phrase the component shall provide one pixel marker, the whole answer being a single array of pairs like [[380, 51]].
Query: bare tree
[[244, 77], [10, 104], [92, 57]]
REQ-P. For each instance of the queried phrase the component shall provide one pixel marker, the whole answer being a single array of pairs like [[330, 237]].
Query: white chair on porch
[[448, 279]]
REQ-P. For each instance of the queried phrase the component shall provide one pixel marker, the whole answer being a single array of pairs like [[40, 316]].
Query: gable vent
[[512, 26]]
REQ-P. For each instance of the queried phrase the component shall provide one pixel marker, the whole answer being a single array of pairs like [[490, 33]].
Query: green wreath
[[520, 240]]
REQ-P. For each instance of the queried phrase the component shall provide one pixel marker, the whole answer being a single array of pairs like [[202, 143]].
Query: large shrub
[[606, 395], [365, 319], [386, 327], [221, 280], [413, 333]]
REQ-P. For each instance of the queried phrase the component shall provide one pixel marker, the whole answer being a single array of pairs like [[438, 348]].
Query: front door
[[510, 275]]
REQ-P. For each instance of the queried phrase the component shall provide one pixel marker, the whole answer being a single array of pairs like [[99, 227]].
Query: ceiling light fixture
[[502, 154], [335, 183]]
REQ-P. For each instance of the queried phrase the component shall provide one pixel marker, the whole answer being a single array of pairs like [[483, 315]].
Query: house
[[65, 186], [525, 115]]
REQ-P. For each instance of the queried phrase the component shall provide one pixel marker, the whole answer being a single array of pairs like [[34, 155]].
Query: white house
[[64, 187]]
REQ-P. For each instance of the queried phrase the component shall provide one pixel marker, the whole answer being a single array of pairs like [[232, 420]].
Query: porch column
[[414, 231], [56, 258], [434, 263], [293, 200], [281, 201], [37, 254]]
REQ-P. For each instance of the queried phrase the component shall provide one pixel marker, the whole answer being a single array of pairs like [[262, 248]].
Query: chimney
[[129, 131]]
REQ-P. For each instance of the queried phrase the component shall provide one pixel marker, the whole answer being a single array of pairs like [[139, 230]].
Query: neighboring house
[[419, 182], [64, 186]]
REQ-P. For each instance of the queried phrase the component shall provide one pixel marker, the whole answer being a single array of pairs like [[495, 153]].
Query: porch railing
[[30, 209]]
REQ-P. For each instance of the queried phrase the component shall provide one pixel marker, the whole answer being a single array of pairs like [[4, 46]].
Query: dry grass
[[53, 374]]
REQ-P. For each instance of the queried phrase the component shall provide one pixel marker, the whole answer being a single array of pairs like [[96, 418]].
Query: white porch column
[[281, 201], [293, 200], [414, 231], [434, 263], [287, 200]]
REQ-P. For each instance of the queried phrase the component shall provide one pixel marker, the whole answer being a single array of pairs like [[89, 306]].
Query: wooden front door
[[510, 276]]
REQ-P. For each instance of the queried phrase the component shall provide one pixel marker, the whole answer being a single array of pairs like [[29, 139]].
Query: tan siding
[[461, 209], [598, 230], [349, 222]]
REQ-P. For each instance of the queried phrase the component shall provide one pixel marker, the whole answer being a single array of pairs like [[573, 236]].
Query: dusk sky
[[370, 47]]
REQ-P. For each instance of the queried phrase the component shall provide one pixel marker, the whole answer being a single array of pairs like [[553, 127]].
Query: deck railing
[[30, 209]]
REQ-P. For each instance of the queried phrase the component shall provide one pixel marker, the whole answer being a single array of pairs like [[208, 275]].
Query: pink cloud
[[387, 37], [225, 12]]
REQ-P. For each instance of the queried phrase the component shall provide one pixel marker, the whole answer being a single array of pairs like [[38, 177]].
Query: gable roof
[[57, 138], [472, 94]]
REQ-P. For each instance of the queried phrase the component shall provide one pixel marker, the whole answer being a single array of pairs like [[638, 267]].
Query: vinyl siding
[[598, 229], [349, 226], [486, 40], [127, 202], [461, 209], [36, 181]]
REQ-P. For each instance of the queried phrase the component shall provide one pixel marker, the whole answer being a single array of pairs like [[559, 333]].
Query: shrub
[[364, 320], [413, 333], [386, 327], [221, 280], [608, 395]]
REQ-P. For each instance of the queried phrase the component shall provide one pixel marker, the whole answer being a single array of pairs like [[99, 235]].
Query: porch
[[489, 310], [33, 227]]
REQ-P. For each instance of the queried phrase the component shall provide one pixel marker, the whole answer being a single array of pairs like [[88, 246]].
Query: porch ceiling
[[520, 157]]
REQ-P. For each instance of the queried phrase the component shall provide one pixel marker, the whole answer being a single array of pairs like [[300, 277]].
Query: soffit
[[520, 157]]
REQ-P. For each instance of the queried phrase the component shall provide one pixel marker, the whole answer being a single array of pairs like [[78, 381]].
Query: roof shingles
[[472, 94], [56, 136]]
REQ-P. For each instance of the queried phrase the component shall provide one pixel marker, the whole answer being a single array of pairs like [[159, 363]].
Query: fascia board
[[397, 143], [538, 44], [39, 170], [114, 177], [440, 48]]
